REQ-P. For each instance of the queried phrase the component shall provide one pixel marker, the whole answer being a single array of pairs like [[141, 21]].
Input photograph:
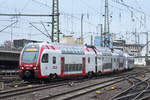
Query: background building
[[22, 42], [69, 39]]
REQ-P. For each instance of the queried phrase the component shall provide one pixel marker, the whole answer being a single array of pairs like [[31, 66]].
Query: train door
[[107, 64], [113, 63], [121, 67], [55, 64], [96, 64], [126, 62], [45, 64], [99, 63], [62, 65], [83, 65]]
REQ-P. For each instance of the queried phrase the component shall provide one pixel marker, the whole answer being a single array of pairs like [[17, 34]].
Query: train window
[[54, 60], [102, 58], [76, 69], [45, 58], [76, 51], [80, 68], [118, 60], [73, 51], [66, 67], [70, 67], [88, 59], [99, 58], [74, 66]]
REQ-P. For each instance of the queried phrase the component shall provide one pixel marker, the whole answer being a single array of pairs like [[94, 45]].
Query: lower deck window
[[107, 66], [72, 67], [120, 64]]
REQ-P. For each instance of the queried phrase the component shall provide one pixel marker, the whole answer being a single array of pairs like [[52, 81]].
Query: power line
[[26, 4], [46, 30], [138, 4], [130, 7], [31, 15], [67, 14], [3, 2], [40, 30], [91, 7], [8, 26], [41, 3]]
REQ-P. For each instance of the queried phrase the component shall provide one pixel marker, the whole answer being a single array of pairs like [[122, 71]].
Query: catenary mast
[[55, 21]]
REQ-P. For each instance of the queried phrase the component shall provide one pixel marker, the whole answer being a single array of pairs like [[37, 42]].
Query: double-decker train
[[54, 60]]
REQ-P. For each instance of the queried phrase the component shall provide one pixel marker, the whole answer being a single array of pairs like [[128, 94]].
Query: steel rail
[[142, 92], [67, 95], [134, 81], [131, 93], [25, 90]]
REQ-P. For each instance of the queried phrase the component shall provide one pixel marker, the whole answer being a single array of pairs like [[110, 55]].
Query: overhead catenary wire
[[39, 30], [26, 4], [46, 30], [128, 6], [8, 26], [131, 9], [3, 2], [31, 15], [41, 3], [86, 4], [67, 14], [90, 22]]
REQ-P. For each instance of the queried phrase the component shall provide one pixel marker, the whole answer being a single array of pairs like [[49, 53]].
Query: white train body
[[40, 60]]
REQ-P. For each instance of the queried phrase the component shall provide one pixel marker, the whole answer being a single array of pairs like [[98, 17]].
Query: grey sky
[[71, 10]]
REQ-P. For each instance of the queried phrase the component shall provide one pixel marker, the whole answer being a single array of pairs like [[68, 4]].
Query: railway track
[[138, 91], [67, 95], [81, 91], [26, 90], [9, 76]]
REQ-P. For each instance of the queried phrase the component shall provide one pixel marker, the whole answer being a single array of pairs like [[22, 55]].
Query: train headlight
[[36, 67], [22, 68]]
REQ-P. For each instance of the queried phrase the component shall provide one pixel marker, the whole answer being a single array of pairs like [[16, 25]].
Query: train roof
[[80, 49]]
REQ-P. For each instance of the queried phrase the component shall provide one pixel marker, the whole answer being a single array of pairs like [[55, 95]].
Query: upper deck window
[[72, 51]]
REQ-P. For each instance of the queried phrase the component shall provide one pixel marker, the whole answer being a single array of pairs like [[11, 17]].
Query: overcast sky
[[124, 19]]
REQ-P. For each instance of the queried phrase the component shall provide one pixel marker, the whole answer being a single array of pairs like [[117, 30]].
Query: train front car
[[28, 62]]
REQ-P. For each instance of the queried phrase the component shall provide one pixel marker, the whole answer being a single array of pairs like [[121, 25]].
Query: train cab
[[28, 63]]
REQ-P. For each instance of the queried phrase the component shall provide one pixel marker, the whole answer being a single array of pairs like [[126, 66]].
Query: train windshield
[[30, 54]]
